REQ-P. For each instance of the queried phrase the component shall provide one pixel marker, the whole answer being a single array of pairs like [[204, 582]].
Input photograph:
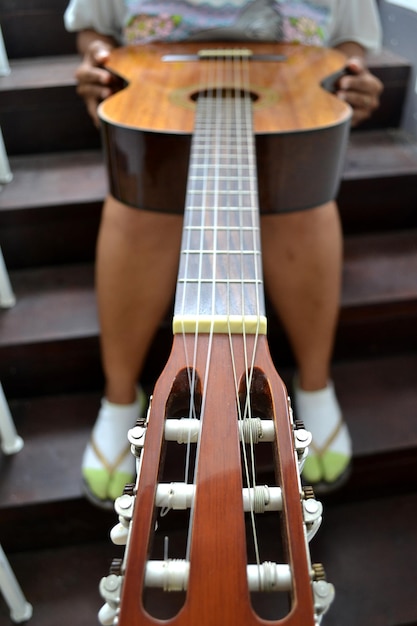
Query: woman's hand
[[95, 83], [359, 88]]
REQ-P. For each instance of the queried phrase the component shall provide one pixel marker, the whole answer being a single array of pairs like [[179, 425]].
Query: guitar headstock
[[205, 540]]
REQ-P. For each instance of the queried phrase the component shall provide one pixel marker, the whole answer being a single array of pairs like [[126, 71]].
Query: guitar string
[[205, 136], [191, 363], [238, 70], [243, 120]]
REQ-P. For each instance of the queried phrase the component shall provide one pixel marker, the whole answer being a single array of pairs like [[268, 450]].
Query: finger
[[357, 100], [92, 104], [355, 65], [97, 92], [92, 75], [365, 83]]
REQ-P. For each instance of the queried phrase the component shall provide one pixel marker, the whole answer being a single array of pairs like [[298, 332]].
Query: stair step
[[41, 493], [52, 304], [361, 545], [50, 338], [40, 110], [50, 212], [35, 28], [378, 188], [395, 72], [380, 268], [378, 398]]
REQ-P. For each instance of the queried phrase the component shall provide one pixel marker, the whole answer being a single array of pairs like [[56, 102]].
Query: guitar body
[[301, 129], [219, 393]]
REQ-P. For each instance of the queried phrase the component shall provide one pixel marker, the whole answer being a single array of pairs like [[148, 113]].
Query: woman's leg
[[136, 270], [302, 254]]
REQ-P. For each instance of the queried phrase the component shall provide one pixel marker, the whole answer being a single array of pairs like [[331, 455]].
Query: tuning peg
[[313, 515], [136, 437], [324, 592], [107, 615], [119, 534], [124, 508], [110, 587], [302, 439]]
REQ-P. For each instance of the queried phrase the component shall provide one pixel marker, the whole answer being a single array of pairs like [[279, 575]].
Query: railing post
[[4, 61], [7, 297], [20, 609], [5, 172]]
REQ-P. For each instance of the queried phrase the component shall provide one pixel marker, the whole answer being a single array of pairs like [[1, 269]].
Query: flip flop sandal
[[324, 486], [110, 468]]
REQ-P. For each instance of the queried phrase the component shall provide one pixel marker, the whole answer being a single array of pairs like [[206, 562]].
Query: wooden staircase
[[50, 370]]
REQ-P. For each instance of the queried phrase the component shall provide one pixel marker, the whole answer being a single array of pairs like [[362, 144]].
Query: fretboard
[[220, 287]]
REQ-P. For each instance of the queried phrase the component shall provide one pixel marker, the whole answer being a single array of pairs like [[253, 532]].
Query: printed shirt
[[295, 20], [266, 20]]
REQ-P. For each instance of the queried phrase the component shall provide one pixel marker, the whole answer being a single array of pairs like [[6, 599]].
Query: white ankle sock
[[331, 450], [107, 458]]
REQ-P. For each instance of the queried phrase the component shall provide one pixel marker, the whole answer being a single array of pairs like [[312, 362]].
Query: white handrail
[[20, 609]]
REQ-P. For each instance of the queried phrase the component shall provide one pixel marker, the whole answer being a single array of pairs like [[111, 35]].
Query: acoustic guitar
[[226, 132]]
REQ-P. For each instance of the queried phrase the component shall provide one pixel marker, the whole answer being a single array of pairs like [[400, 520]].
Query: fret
[[229, 253], [219, 281], [235, 219], [209, 174], [234, 164], [218, 267]]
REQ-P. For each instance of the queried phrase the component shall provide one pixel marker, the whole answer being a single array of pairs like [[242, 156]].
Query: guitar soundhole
[[266, 525]]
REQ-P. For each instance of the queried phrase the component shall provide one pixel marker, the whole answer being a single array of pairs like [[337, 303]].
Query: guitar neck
[[220, 286]]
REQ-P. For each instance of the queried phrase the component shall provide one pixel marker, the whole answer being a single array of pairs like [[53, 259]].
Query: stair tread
[[55, 179], [79, 176], [378, 399], [40, 72], [51, 303], [360, 544], [379, 153], [55, 430], [380, 268]]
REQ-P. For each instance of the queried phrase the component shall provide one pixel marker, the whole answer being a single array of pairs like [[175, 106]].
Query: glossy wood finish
[[147, 126]]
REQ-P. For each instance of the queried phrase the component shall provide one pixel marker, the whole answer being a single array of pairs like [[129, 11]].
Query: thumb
[[100, 51]]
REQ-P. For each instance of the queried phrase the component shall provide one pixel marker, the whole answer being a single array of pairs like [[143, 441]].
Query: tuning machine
[[312, 512], [110, 588], [324, 592]]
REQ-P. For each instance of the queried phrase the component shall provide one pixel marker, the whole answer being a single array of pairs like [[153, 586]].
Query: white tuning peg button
[[107, 615], [119, 534]]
